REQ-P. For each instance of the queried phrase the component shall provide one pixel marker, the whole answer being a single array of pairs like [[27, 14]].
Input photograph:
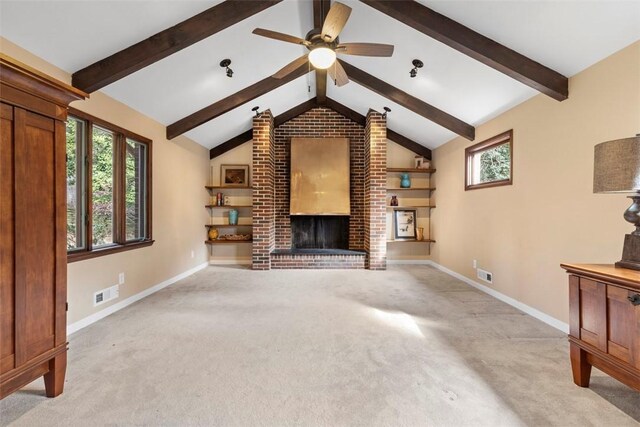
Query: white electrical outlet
[[121, 279], [105, 295], [193, 254], [475, 263], [487, 276]]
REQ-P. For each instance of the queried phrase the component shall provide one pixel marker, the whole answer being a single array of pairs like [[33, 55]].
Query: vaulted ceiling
[[565, 36]]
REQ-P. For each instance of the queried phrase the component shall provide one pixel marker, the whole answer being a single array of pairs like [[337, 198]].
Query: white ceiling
[[567, 36]]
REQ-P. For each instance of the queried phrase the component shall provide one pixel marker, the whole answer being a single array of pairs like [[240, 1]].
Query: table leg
[[579, 365], [54, 379]]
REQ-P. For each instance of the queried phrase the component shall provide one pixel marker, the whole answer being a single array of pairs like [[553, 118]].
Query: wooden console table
[[604, 312]]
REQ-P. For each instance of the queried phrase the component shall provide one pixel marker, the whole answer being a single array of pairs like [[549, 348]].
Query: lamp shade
[[616, 167]]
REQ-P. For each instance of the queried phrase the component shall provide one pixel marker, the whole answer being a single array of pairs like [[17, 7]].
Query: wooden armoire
[[33, 248]]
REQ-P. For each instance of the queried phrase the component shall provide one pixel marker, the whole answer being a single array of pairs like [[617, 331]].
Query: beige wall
[[232, 252], [400, 157], [521, 233], [180, 171]]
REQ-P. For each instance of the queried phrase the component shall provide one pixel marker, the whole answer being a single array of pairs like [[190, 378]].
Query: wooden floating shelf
[[410, 207], [412, 188], [212, 187], [227, 206], [227, 225], [411, 241], [216, 242], [411, 170]]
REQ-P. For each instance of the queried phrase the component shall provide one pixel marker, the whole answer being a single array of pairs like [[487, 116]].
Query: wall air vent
[[485, 275], [105, 295]]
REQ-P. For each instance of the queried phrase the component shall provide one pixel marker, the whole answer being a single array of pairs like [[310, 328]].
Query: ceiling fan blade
[[338, 74], [365, 49], [335, 21], [290, 67], [280, 36]]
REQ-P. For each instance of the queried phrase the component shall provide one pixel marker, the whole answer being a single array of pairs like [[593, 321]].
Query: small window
[[108, 188], [76, 214], [490, 163], [135, 190], [102, 210]]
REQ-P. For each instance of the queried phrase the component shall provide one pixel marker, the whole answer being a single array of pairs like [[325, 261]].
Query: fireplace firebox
[[319, 232]]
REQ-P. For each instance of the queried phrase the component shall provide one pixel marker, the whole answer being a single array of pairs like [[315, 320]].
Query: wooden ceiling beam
[[409, 102], [320, 10], [391, 135], [339, 108], [248, 135], [229, 145], [409, 144], [475, 45], [346, 112], [321, 86], [295, 112], [232, 101], [167, 42]]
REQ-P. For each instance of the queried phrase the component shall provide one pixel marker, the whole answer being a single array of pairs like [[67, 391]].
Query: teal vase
[[405, 181], [233, 217]]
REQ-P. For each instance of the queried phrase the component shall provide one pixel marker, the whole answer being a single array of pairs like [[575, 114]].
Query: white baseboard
[[83, 323], [230, 262], [409, 262], [551, 321]]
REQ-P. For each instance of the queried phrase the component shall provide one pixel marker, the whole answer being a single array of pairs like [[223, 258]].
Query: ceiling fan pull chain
[[309, 77]]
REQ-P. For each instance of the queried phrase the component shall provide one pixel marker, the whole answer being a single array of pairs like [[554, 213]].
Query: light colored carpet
[[410, 346]]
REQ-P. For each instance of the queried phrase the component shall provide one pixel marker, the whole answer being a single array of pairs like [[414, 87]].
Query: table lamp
[[616, 169]]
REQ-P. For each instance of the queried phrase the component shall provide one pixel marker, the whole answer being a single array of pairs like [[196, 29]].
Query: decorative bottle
[[233, 217], [405, 180], [394, 200]]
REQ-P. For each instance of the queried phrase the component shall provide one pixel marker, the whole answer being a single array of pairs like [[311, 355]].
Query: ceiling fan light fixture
[[322, 57]]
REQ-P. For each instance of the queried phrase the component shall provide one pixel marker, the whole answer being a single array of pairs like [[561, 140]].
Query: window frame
[[470, 152], [120, 242]]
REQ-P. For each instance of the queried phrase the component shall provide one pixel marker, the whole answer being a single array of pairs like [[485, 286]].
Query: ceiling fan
[[323, 46]]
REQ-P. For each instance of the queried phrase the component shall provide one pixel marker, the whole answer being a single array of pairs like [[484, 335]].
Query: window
[[490, 163], [108, 188], [75, 184]]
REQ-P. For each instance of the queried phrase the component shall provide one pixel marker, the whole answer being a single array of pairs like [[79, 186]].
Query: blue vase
[[405, 181], [233, 217]]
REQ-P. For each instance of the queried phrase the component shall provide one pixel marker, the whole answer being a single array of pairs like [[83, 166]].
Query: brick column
[[375, 191], [263, 191]]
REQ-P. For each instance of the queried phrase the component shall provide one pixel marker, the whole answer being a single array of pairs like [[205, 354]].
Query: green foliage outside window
[[102, 186], [495, 164], [73, 240]]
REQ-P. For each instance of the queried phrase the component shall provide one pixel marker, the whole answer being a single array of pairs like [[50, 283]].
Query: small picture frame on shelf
[[234, 176], [421, 163], [405, 224]]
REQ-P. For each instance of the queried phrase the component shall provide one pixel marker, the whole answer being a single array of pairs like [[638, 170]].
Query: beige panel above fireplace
[[320, 176]]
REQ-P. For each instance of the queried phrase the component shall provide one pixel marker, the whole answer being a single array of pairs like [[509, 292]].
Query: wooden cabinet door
[[593, 313], [7, 297], [623, 326], [37, 147]]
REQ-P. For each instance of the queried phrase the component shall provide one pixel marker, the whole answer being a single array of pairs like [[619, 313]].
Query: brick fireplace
[[272, 246]]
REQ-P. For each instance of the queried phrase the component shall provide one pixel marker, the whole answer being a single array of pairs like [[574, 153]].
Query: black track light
[[416, 64], [255, 110], [386, 110], [225, 64]]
